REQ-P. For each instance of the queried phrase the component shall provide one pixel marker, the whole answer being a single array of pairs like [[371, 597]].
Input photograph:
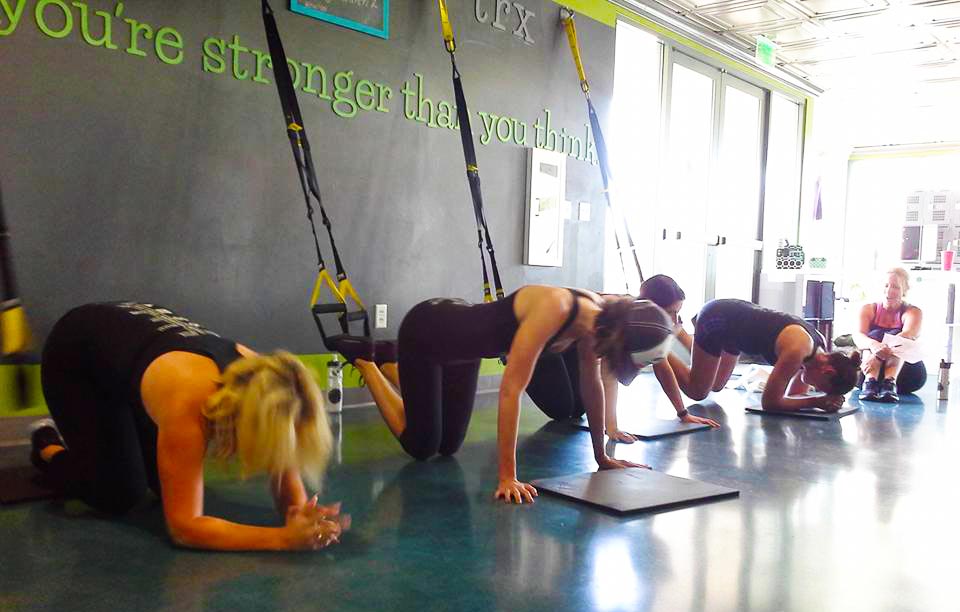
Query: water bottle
[[943, 384], [334, 386]]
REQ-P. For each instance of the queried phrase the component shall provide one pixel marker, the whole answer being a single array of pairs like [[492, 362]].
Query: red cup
[[946, 259]]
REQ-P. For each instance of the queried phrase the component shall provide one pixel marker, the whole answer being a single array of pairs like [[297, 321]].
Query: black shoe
[[870, 391], [385, 351], [353, 348], [888, 391], [43, 433]]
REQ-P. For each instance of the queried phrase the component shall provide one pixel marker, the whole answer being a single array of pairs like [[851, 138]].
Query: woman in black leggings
[[140, 394], [795, 349], [442, 341]]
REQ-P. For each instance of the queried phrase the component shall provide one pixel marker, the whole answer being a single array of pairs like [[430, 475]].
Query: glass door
[[733, 226], [681, 216]]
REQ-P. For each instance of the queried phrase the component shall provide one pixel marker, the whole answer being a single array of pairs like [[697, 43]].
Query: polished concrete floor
[[857, 514]]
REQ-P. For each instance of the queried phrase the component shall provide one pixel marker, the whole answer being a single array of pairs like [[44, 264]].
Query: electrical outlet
[[381, 316]]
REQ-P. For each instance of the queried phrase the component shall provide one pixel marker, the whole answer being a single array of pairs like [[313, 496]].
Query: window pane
[[634, 145], [783, 177]]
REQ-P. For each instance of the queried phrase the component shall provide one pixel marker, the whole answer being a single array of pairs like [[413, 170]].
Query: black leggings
[[912, 377], [555, 385], [110, 458], [438, 401]]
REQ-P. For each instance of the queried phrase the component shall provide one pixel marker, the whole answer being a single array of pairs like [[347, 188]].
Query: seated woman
[[884, 374], [442, 341], [725, 328], [140, 395], [663, 291]]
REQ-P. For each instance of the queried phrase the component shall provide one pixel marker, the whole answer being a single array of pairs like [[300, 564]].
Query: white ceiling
[[905, 50]]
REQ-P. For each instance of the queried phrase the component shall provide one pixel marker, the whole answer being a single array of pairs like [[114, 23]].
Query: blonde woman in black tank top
[[140, 395]]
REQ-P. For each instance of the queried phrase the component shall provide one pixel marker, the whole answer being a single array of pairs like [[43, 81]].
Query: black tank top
[[754, 329], [123, 339], [119, 340], [446, 330]]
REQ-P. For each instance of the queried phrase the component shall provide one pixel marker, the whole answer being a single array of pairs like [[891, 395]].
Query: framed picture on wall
[[368, 16], [546, 188]]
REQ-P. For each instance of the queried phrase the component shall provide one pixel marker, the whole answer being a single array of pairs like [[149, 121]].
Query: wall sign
[[506, 14], [367, 16]]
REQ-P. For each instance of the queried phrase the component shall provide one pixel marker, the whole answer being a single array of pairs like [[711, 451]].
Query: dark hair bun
[[661, 290], [856, 358]]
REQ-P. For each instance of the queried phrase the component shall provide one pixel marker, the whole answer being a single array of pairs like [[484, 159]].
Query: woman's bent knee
[[421, 451]]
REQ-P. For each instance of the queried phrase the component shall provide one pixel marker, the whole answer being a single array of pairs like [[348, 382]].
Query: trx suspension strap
[[15, 337], [293, 121], [566, 16], [470, 157]]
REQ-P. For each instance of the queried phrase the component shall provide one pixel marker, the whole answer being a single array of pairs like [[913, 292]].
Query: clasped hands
[[312, 526]]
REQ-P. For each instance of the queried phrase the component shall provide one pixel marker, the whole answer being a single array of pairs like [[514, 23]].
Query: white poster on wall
[[546, 186]]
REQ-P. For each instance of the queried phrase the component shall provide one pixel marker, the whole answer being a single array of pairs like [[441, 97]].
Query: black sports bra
[[570, 317]]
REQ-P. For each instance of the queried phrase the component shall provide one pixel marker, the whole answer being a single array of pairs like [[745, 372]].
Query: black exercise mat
[[648, 427], [809, 413], [651, 428], [634, 490], [20, 481]]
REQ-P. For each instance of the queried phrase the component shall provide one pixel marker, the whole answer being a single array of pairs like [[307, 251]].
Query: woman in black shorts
[[140, 394], [442, 341], [795, 349]]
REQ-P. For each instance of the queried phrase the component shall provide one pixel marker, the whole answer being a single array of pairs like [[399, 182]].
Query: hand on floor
[[689, 418], [609, 463], [514, 492], [621, 436]]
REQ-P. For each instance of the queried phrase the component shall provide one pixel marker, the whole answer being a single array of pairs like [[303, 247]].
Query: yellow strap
[[15, 331], [575, 49], [347, 291], [447, 27], [323, 278]]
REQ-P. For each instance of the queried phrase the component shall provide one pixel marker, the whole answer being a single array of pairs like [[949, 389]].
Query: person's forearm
[[508, 419], [211, 533], [288, 491], [789, 404], [594, 401], [668, 382], [865, 342], [797, 386], [610, 393]]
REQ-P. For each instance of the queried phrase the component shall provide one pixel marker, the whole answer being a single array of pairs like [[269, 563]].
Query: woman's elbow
[[180, 536], [184, 534]]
